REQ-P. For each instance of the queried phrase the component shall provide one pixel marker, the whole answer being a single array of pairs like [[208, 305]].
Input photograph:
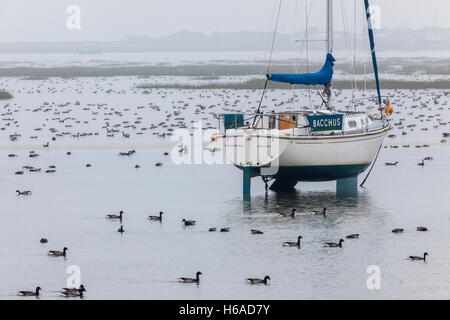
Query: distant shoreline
[[210, 74]]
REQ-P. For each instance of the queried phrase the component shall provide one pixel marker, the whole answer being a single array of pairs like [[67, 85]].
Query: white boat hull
[[303, 158]]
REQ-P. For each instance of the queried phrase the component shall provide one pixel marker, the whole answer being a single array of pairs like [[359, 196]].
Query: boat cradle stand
[[344, 186]]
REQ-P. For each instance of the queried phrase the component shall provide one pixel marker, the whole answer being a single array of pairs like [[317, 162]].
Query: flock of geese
[[78, 292], [59, 122]]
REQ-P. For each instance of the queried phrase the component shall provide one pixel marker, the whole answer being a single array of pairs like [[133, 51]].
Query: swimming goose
[[421, 163], [56, 253], [23, 193], [334, 244], [397, 230], [75, 290], [292, 244], [391, 163], [74, 293], [115, 216], [422, 229], [188, 222], [318, 213], [292, 214], [43, 240], [31, 293], [258, 281], [212, 229], [253, 231], [158, 164], [121, 229], [157, 218], [192, 280], [353, 236], [225, 230], [419, 258]]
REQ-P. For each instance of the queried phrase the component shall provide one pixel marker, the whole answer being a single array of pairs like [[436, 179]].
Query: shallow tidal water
[[69, 207]]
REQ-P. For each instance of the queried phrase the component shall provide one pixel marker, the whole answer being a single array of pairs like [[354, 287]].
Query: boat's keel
[[283, 185], [346, 186], [247, 175]]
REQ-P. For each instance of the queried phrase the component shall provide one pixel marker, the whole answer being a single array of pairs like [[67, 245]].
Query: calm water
[[69, 206]]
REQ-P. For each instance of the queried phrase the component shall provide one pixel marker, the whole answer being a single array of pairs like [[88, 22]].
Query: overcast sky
[[45, 20]]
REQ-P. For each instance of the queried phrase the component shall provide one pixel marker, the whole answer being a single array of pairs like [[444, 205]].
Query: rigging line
[[307, 46], [347, 42], [354, 45], [373, 163], [296, 60], [270, 60], [274, 36]]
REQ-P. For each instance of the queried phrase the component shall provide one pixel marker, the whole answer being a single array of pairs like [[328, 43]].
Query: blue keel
[[246, 182], [347, 185]]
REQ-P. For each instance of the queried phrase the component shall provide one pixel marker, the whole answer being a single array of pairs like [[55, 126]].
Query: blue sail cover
[[322, 77]]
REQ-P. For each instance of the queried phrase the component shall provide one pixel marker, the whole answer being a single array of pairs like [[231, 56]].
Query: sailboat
[[320, 145]]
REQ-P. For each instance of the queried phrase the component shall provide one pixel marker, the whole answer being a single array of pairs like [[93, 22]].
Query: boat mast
[[372, 49], [329, 26], [329, 44]]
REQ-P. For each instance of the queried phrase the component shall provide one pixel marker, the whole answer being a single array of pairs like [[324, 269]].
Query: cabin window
[[352, 124]]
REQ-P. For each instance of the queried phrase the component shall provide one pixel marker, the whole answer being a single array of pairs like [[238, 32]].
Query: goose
[[334, 244], [43, 240], [318, 213], [56, 253], [225, 230], [292, 244], [188, 222], [421, 229], [18, 172], [121, 229], [397, 230], [353, 236], [421, 163], [212, 229], [75, 290], [157, 218], [191, 280], [31, 293], [50, 171], [115, 216], [391, 163], [73, 294], [413, 258], [158, 164], [23, 193], [253, 231], [292, 214], [258, 281]]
